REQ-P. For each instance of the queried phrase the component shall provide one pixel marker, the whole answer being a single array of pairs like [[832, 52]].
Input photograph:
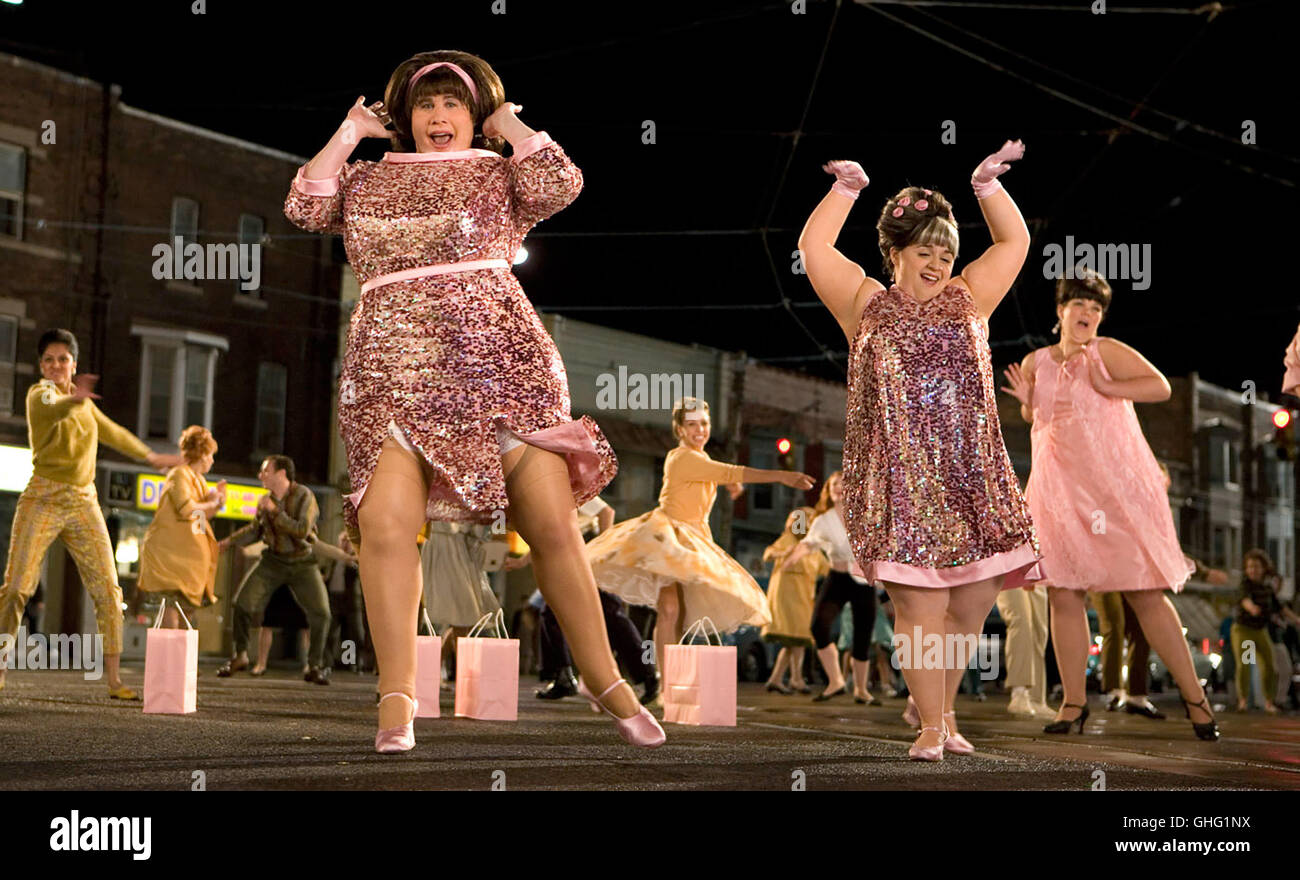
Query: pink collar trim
[[434, 157]]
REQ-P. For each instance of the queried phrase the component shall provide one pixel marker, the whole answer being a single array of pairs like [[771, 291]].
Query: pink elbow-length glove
[[850, 179], [1291, 381], [985, 179]]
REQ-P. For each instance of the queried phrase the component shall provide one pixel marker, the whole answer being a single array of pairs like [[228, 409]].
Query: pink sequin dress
[[930, 497], [1095, 489], [444, 351]]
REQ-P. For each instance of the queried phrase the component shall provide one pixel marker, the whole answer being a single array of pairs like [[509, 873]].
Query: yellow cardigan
[[65, 435], [180, 550]]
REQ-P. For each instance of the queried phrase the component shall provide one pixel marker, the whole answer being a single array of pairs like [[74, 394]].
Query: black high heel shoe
[[1063, 726], [1209, 731]]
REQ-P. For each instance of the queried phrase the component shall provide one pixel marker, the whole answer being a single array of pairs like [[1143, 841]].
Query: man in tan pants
[[1025, 613]]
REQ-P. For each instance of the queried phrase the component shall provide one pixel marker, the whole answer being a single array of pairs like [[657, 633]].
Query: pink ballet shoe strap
[[640, 729], [402, 737]]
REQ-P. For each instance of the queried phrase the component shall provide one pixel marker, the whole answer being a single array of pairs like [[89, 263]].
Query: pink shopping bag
[[428, 672], [487, 673], [171, 668], [700, 681]]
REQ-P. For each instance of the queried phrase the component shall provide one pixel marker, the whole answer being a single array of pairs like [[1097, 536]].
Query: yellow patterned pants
[[47, 510]]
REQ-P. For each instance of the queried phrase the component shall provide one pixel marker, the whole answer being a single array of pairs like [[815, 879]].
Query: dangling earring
[[1056, 328]]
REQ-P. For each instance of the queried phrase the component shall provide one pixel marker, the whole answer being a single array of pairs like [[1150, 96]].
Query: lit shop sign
[[241, 501], [15, 468]]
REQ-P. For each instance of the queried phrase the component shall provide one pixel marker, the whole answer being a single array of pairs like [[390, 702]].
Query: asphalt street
[[59, 732]]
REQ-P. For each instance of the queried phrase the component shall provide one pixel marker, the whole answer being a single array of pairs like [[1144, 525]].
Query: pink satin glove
[[850, 179], [985, 179]]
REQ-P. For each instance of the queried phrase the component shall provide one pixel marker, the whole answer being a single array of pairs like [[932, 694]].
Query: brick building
[[94, 194]]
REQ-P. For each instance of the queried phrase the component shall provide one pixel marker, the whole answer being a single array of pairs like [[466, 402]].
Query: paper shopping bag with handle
[[700, 680], [487, 672], [171, 667], [428, 672]]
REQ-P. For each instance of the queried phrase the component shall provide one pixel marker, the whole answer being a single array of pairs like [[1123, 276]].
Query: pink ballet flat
[[911, 715], [640, 730], [929, 753], [402, 737], [956, 743]]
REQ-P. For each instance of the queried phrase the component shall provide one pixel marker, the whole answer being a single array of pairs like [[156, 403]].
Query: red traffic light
[[1281, 418], [783, 446]]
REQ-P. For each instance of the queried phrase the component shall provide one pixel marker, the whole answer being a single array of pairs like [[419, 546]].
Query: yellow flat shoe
[[123, 693]]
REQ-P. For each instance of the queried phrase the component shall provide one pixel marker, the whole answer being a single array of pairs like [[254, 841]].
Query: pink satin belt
[[436, 269]]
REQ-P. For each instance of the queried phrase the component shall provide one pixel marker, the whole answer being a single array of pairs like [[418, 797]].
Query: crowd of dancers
[[454, 407]]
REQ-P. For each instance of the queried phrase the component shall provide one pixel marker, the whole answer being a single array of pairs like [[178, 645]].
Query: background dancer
[[431, 231], [179, 556], [285, 521], [790, 594], [667, 559], [840, 587], [931, 504], [65, 429], [1098, 496]]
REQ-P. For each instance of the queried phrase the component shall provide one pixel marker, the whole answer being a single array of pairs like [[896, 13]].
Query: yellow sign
[[241, 501]]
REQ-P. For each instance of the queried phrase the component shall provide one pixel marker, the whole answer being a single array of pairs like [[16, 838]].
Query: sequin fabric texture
[[449, 357], [927, 479]]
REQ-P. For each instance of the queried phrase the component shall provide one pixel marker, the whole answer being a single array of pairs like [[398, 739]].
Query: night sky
[[1133, 123]]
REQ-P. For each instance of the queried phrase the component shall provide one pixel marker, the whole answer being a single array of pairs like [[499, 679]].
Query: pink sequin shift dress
[[930, 497], [448, 363], [1095, 489]]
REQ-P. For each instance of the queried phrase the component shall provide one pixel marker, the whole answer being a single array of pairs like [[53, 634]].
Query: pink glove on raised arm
[[850, 179], [985, 179]]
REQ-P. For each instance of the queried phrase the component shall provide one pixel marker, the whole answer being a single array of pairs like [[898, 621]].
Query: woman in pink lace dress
[[931, 504], [453, 401], [1098, 496]]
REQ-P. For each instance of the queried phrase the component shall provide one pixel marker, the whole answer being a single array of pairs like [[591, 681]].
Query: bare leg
[[391, 515], [1164, 632], [830, 660], [921, 612], [1070, 638], [796, 668], [778, 668], [113, 670], [171, 618], [860, 669], [968, 606], [668, 620], [542, 509]]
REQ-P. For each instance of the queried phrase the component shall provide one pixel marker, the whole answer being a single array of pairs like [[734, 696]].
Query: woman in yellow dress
[[667, 558], [790, 597], [179, 557]]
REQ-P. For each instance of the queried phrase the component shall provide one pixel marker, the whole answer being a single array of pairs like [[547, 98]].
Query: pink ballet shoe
[[956, 743], [929, 753], [911, 714], [640, 730], [402, 737]]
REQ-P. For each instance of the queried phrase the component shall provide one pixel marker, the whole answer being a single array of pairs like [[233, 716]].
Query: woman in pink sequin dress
[[453, 400], [931, 503], [1098, 496]]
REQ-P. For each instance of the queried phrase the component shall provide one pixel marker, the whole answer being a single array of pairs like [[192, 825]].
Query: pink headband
[[454, 69]]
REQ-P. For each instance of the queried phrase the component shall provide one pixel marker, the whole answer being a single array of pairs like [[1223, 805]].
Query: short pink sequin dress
[[444, 351], [930, 497], [1095, 489]]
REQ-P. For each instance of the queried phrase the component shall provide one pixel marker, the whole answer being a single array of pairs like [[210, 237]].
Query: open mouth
[[929, 278], [440, 138]]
